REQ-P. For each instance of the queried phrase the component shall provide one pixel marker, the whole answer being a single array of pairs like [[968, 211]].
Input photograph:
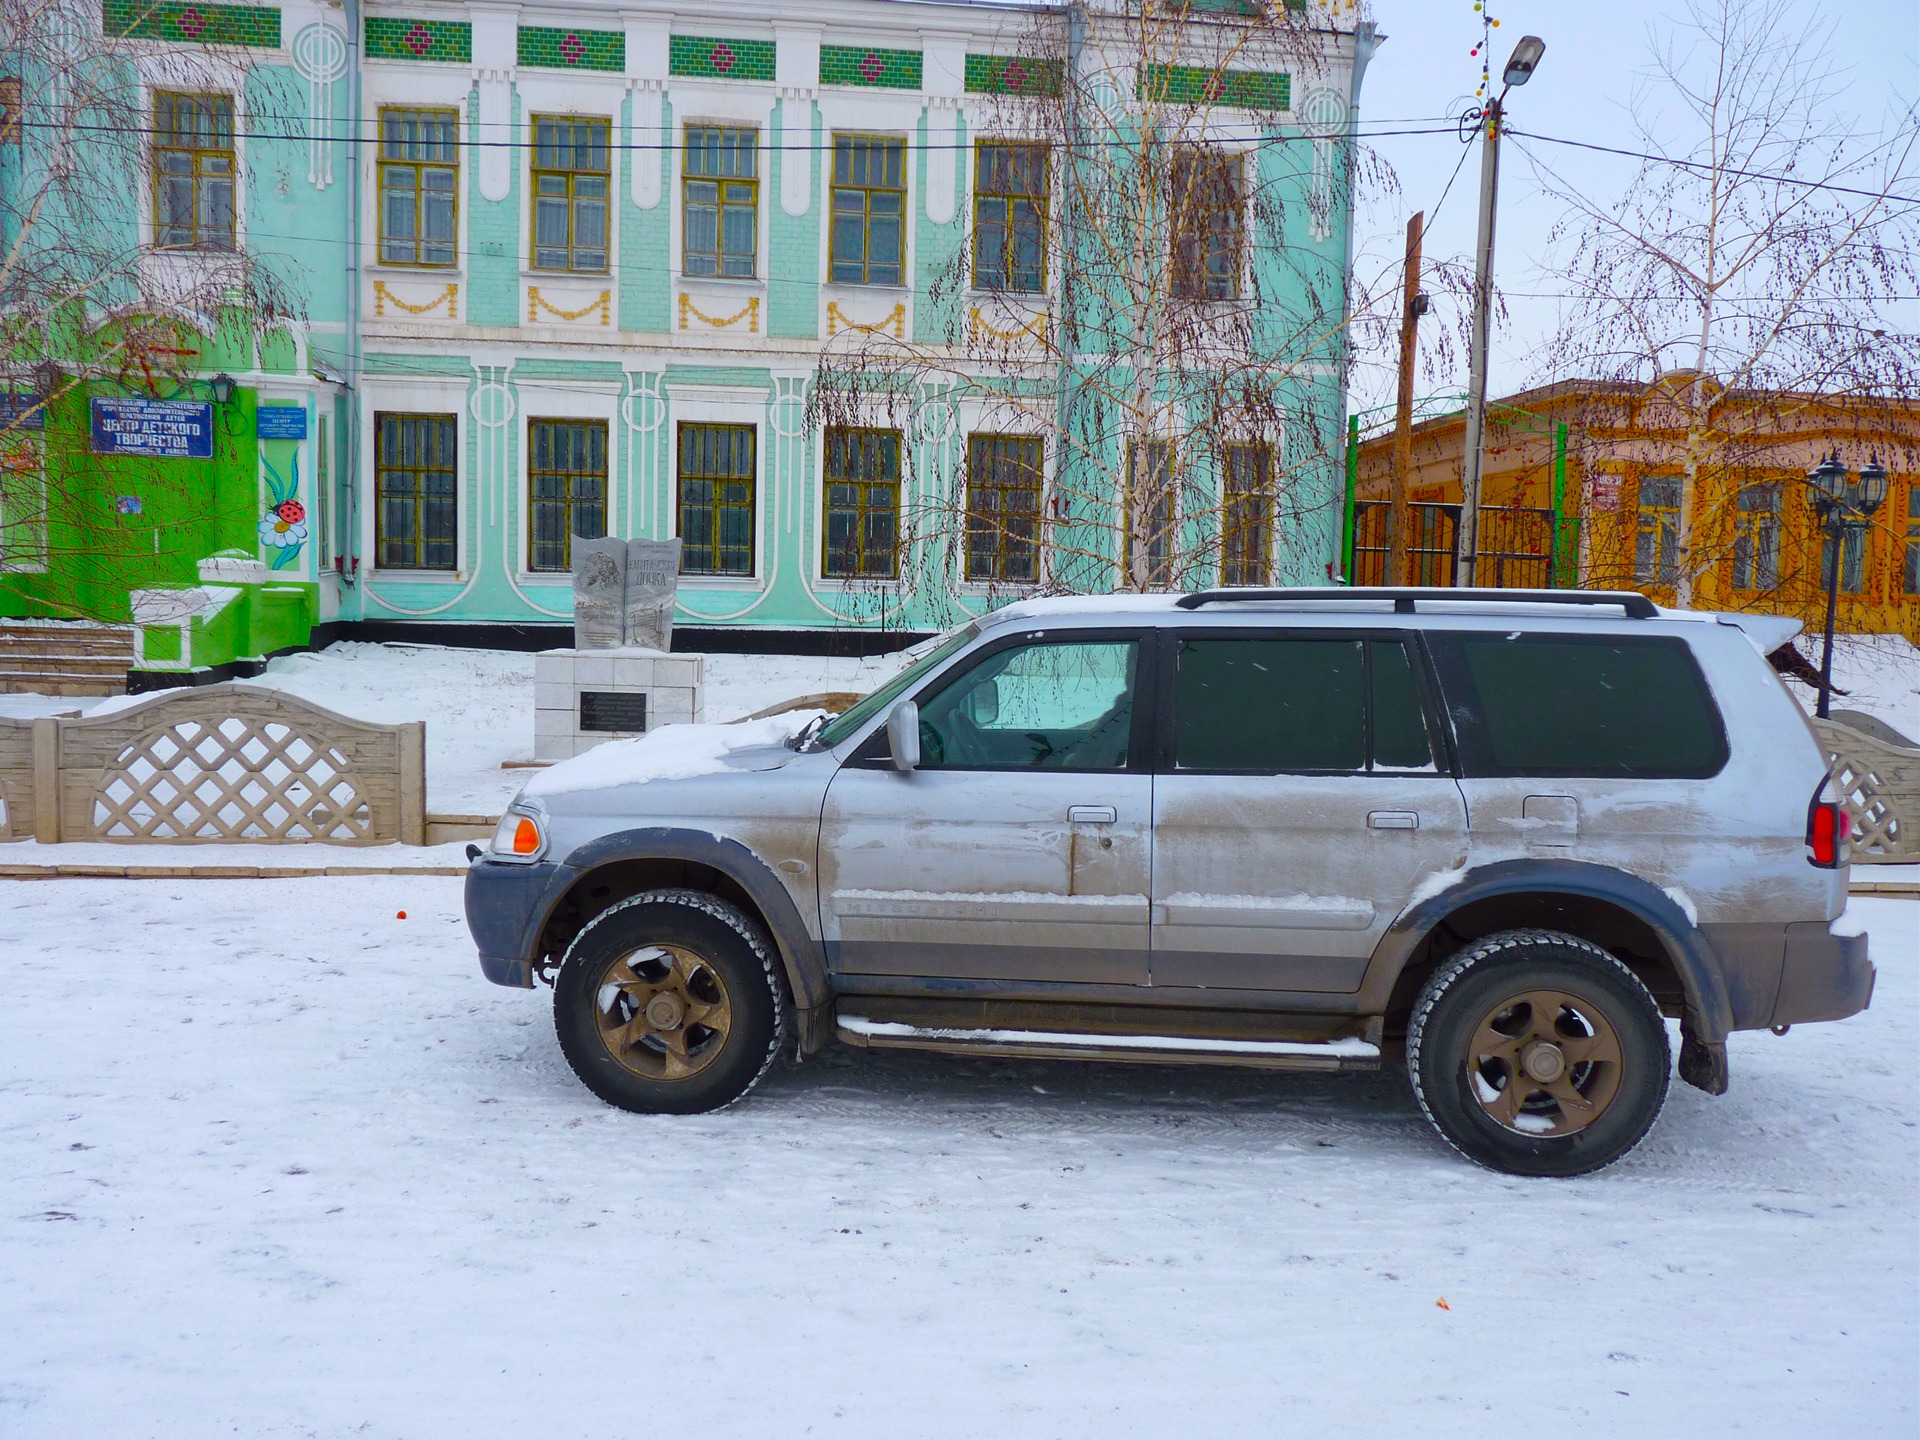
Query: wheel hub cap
[[664, 1012], [1544, 1062]]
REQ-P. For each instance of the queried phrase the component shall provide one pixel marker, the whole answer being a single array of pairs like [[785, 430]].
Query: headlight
[[520, 835]]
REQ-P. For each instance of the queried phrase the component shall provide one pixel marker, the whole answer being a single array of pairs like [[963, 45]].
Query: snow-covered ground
[[276, 1163]]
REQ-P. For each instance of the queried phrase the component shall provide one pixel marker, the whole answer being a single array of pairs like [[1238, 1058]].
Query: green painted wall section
[[793, 264], [493, 233], [644, 239]]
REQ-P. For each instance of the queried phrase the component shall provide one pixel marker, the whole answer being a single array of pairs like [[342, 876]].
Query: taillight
[[1829, 831]]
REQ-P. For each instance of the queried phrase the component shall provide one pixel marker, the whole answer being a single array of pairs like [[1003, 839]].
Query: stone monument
[[619, 679]]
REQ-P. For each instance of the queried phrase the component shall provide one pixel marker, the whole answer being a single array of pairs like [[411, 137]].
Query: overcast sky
[[1579, 92]]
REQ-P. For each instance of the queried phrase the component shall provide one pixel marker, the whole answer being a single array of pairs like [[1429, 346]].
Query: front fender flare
[[801, 955], [1709, 1013]]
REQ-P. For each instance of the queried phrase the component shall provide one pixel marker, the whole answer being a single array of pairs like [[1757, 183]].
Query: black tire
[[1478, 1050], [708, 1042]]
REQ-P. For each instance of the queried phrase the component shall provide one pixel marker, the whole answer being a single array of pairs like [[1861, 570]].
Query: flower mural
[[283, 529]]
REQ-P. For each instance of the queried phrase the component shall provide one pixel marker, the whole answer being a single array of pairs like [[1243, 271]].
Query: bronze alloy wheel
[[1543, 1063], [663, 1012]]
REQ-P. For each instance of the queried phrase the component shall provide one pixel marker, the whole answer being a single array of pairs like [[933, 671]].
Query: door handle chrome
[[1091, 815], [1392, 820]]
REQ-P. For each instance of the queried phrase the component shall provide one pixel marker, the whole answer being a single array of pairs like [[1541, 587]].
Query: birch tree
[[1757, 254]]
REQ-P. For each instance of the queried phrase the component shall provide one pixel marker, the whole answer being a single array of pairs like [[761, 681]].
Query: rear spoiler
[[1767, 632]]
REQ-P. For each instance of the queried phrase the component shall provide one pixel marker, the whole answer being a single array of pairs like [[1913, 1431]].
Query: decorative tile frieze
[[194, 24], [398, 38], [873, 69], [1012, 75], [546, 48], [703, 57], [1235, 89]]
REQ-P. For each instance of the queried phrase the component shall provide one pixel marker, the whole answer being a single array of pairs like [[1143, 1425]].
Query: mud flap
[[1703, 1064]]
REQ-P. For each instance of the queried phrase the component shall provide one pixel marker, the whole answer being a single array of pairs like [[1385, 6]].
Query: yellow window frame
[[419, 169]]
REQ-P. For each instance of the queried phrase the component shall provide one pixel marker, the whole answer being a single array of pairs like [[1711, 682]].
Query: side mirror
[[903, 736], [984, 704]]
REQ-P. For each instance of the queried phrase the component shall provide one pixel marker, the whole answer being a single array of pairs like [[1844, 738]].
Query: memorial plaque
[[599, 593], [653, 578], [620, 711]]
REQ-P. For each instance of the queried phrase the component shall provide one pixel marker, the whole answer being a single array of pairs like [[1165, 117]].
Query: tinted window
[[1399, 723], [1267, 705], [1603, 706], [1054, 706]]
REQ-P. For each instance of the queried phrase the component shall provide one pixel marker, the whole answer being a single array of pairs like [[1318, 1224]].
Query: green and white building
[[572, 269]]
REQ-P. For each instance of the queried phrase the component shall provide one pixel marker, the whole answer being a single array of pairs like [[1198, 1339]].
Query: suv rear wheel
[[666, 1003], [1538, 1053]]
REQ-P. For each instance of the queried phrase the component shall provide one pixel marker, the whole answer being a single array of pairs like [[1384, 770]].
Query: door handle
[[1392, 820], [1091, 815]]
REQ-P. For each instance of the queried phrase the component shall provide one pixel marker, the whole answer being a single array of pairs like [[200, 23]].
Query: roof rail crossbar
[[1636, 605]]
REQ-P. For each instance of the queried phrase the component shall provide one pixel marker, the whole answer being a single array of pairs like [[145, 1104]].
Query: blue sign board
[[280, 422], [162, 429], [22, 412]]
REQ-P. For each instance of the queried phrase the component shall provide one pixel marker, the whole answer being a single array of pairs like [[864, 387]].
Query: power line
[[1719, 169]]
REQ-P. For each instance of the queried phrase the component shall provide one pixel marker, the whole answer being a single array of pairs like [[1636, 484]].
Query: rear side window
[[1581, 706], [1268, 705]]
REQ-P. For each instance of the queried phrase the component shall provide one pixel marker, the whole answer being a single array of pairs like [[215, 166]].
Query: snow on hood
[[673, 752]]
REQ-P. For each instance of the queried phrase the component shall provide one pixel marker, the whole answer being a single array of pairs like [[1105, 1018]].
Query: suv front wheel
[[1538, 1053], [666, 1003]]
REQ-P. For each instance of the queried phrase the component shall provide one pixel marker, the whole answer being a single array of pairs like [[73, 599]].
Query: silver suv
[[1500, 833]]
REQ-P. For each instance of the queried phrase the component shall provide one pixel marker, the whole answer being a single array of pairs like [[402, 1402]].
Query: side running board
[[1346, 1053]]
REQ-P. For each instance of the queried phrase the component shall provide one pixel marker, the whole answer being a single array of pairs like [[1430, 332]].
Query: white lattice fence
[[224, 763], [1880, 786]]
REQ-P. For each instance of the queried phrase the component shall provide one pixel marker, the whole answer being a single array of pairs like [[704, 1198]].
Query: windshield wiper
[[806, 734]]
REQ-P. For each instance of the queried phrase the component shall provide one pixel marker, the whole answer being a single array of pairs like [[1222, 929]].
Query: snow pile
[[673, 752]]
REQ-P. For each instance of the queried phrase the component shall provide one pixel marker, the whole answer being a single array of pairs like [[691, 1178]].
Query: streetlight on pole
[[1838, 502], [1466, 538]]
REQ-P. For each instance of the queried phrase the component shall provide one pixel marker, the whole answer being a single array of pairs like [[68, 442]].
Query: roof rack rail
[[1636, 605]]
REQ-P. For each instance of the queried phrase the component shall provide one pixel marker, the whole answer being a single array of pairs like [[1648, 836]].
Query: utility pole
[[1466, 541], [1413, 305]]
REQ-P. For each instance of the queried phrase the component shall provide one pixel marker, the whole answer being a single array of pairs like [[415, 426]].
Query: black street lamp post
[[1839, 500]]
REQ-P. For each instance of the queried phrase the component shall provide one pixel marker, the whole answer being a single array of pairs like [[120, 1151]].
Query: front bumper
[[506, 905], [1824, 977]]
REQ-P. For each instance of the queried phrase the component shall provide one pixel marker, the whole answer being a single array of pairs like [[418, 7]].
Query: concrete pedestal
[[582, 697]]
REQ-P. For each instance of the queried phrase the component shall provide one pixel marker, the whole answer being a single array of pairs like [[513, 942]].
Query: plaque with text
[[617, 711], [165, 429]]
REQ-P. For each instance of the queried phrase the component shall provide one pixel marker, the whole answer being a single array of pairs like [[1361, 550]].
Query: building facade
[[573, 270]]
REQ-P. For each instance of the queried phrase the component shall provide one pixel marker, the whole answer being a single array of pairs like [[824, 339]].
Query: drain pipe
[[349, 560]]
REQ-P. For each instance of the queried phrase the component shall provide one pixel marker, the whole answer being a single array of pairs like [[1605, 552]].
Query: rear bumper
[[505, 905], [1823, 977]]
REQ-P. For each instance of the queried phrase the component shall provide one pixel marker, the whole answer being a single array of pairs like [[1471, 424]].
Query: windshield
[[850, 720]]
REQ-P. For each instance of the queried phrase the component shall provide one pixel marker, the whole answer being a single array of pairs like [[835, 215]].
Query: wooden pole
[[1397, 517]]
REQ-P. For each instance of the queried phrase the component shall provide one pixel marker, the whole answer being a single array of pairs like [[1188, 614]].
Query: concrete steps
[[65, 658]]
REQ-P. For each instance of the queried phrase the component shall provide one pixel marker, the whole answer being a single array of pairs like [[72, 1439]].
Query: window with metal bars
[[571, 182], [867, 241], [719, 201], [716, 499], [415, 492], [566, 489], [862, 531], [1246, 515], [1009, 217], [1149, 513], [1656, 540], [419, 185], [1208, 222], [1756, 536], [193, 171], [1003, 508], [1910, 571]]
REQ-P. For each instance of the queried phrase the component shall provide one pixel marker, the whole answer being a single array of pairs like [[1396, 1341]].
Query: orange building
[[1582, 486]]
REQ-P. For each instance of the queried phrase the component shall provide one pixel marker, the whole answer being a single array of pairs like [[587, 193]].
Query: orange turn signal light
[[526, 837]]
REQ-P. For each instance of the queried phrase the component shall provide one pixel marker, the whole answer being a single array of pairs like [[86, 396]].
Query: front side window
[[868, 235], [1570, 706], [193, 171], [1269, 705], [720, 201], [1246, 515], [567, 489], [1209, 220], [1010, 217], [1003, 508], [1756, 537], [1656, 540], [863, 505], [571, 182], [414, 491], [419, 186], [716, 499], [1148, 513], [1050, 706]]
